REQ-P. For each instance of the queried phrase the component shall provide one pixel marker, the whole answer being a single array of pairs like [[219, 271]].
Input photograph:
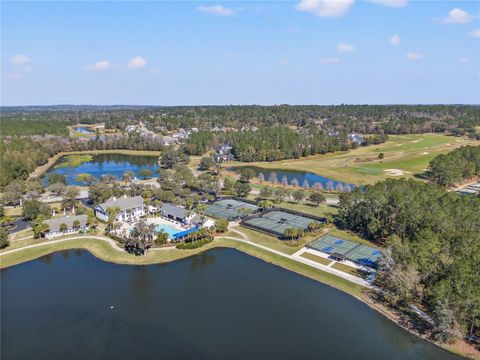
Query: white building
[[74, 224], [131, 208]]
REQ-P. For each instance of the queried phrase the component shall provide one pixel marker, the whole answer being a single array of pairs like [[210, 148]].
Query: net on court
[[331, 244], [230, 209], [365, 255], [358, 253], [276, 222]]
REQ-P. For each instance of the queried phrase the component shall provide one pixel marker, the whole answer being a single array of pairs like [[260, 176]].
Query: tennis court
[[229, 209], [358, 253], [276, 222]]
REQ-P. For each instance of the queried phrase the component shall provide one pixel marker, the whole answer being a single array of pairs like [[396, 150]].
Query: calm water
[[301, 176], [84, 130], [219, 305], [115, 164]]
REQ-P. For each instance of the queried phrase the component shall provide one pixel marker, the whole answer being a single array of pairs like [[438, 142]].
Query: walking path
[[244, 239]]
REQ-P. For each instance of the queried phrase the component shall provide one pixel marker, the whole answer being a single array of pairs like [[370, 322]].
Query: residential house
[[224, 154], [179, 214], [131, 208], [55, 225]]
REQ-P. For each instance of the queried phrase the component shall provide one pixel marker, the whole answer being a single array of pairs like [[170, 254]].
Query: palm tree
[[128, 176], [112, 213], [63, 227], [143, 236]]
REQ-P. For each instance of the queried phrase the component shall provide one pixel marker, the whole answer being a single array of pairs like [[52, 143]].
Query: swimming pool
[[170, 230]]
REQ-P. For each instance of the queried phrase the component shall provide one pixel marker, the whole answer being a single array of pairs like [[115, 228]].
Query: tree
[[57, 188], [293, 233], [273, 177], [13, 192], [70, 198], [112, 213], [76, 224], [162, 238], [63, 227], [31, 209], [2, 211], [54, 178], [3, 238], [294, 182], [221, 225], [145, 173], [92, 220], [142, 236], [128, 176], [39, 229], [381, 156], [170, 157], [242, 189], [206, 164], [200, 208], [314, 226], [266, 192], [298, 195], [246, 174], [87, 179], [99, 193], [265, 204], [317, 198], [280, 194]]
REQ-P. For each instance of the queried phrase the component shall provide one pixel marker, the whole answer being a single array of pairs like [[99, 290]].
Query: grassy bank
[[40, 170], [409, 154]]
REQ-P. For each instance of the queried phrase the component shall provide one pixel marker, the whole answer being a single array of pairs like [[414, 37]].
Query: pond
[[279, 176], [98, 165], [221, 304], [84, 130]]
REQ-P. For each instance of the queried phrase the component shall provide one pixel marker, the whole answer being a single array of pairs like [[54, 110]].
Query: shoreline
[[102, 247], [41, 169]]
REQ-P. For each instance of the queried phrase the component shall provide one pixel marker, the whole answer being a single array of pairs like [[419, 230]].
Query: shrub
[[195, 244]]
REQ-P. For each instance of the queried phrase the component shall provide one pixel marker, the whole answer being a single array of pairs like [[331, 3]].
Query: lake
[[221, 304], [115, 164], [300, 176]]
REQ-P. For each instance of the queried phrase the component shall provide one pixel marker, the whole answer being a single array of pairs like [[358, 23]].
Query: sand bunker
[[396, 172], [425, 153]]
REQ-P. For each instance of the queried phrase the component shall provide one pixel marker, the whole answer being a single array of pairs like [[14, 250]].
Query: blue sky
[[298, 52]]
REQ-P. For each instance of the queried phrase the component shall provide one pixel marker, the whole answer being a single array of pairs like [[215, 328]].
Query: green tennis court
[[230, 209], [276, 222], [358, 253]]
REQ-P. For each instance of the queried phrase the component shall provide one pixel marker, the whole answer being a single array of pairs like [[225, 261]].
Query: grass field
[[410, 154], [319, 259], [308, 208]]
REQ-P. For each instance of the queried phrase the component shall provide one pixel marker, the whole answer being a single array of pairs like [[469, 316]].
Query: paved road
[[20, 225]]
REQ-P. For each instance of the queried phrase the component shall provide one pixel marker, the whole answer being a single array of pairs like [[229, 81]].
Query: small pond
[[114, 164], [280, 176]]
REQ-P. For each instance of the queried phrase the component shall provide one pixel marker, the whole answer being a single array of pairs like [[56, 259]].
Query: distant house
[[179, 214], [55, 224], [131, 208], [356, 138], [224, 154]]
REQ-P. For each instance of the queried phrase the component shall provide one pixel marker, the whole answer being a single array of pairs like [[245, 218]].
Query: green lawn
[[319, 259], [21, 234], [349, 270], [308, 208], [408, 153]]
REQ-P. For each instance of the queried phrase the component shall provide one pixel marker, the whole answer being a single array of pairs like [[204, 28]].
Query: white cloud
[[475, 33], [394, 40], [325, 8], [99, 66], [391, 3], [20, 71], [137, 63], [216, 10], [457, 16], [414, 56], [343, 48], [464, 60], [330, 60], [20, 59]]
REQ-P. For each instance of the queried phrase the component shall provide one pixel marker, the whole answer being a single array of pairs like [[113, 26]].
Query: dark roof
[[173, 210], [54, 224]]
